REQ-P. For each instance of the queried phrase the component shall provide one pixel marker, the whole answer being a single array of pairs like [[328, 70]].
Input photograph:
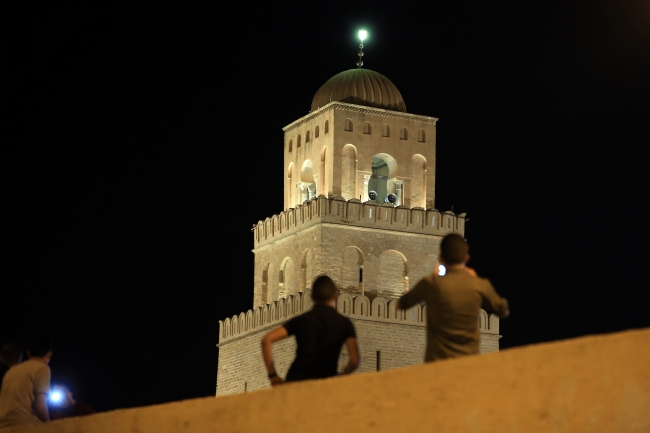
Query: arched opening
[[351, 271], [418, 181], [403, 134], [385, 131], [421, 136], [265, 284], [316, 132], [298, 141], [327, 126], [286, 281], [290, 145], [349, 172], [392, 275], [307, 184], [307, 137], [382, 179], [366, 128], [348, 125], [289, 189]]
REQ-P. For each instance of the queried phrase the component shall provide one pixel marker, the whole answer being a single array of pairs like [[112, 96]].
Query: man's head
[[40, 347], [454, 250], [11, 354], [323, 290]]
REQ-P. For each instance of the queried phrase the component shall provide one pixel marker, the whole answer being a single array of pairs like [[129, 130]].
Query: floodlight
[[362, 34], [442, 270]]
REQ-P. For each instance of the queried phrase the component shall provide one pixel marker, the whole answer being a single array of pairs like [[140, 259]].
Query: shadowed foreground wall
[[592, 384]]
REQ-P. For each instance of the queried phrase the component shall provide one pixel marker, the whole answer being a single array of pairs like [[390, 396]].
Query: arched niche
[[271, 282], [383, 177], [351, 270], [349, 172], [286, 278], [418, 181], [392, 274]]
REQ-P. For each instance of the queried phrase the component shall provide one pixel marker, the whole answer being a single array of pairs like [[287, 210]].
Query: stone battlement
[[358, 307], [353, 212]]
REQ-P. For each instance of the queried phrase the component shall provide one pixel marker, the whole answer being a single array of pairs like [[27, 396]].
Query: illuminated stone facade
[[375, 246]]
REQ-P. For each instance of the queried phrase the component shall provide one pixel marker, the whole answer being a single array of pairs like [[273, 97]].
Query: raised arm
[[355, 358], [494, 302], [417, 294], [267, 353]]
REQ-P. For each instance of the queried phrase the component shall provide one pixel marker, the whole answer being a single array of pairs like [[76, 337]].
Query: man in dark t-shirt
[[320, 335]]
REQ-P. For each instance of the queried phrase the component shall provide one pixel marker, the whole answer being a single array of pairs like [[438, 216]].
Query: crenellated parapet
[[264, 316], [358, 307], [336, 210]]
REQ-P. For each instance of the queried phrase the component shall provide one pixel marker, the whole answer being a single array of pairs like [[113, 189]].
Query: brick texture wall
[[387, 339]]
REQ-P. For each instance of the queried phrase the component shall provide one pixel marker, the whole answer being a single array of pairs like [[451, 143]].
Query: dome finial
[[362, 36]]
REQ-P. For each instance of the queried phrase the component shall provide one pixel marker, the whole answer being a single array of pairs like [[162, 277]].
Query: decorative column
[[366, 181], [399, 192]]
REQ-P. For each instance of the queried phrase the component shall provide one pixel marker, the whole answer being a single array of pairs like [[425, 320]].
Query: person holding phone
[[454, 302]]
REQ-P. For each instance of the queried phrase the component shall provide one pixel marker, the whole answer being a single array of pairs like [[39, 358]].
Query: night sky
[[127, 214]]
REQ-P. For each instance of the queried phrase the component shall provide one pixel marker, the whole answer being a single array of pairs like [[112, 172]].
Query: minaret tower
[[359, 195]]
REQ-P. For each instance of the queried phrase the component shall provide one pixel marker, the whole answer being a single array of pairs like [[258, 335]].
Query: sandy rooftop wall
[[591, 384]]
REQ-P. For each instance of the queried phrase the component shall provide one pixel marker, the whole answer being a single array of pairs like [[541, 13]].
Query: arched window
[[421, 136], [366, 128], [290, 145], [298, 141], [270, 277], [403, 134], [327, 126], [316, 132], [385, 131], [382, 180], [349, 172], [348, 125], [307, 137]]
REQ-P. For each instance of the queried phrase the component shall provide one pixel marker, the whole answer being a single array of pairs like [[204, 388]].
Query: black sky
[[126, 128]]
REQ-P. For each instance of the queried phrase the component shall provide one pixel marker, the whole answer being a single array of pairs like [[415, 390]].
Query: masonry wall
[[388, 338], [395, 247], [596, 384]]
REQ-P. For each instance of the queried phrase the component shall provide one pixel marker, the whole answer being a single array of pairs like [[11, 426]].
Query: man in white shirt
[[23, 398]]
